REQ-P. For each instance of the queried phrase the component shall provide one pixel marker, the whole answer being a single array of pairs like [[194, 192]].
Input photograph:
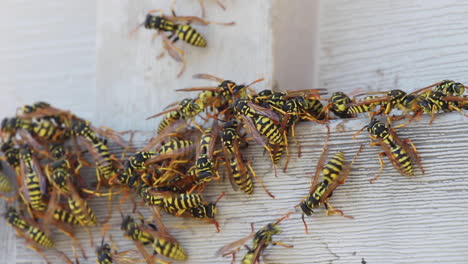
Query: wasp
[[366, 104], [437, 101], [339, 105], [240, 172], [156, 235], [105, 255], [35, 182], [132, 165], [168, 199], [205, 165], [163, 23], [394, 99], [80, 208], [30, 231], [43, 110], [222, 95], [447, 87], [204, 210], [35, 238], [186, 109], [263, 125], [401, 153], [97, 147], [260, 241], [334, 173]]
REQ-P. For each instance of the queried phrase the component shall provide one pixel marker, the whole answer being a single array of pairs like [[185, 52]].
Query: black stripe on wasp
[[401, 153], [334, 173], [260, 241], [292, 107], [164, 23], [36, 238], [241, 172], [263, 125]]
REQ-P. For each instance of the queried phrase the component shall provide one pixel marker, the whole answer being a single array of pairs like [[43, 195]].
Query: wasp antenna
[[284, 217], [256, 81], [136, 29], [359, 132], [220, 197]]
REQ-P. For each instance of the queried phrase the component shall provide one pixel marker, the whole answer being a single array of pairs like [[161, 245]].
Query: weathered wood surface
[[367, 44]]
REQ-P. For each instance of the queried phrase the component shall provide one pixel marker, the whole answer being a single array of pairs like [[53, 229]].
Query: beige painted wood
[[362, 44]]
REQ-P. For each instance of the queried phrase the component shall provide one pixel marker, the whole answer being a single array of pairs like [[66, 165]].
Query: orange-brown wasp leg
[[249, 167], [332, 211], [382, 165]]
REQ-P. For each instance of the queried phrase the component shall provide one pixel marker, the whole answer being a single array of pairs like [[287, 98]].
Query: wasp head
[[397, 94], [153, 22], [376, 128], [56, 150]]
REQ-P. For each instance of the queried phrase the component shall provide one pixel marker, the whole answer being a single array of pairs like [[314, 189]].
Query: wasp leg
[[306, 227], [279, 243], [331, 211], [452, 107], [173, 3], [202, 6], [382, 165], [254, 174]]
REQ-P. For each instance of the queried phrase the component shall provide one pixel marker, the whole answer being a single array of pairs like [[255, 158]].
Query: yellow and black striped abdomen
[[170, 118], [168, 249], [183, 201], [65, 217], [363, 108], [34, 191], [269, 129], [405, 165], [175, 145], [13, 219], [188, 34], [248, 258], [243, 180], [39, 236], [333, 168], [104, 164], [45, 129], [81, 210]]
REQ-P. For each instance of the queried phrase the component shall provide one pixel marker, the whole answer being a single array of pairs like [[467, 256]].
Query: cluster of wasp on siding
[[197, 140]]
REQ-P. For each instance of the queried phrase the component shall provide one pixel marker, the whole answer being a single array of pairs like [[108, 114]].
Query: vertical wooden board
[[295, 40], [133, 84], [48, 54]]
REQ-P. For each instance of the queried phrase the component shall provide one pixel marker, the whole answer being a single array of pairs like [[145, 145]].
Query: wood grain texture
[[373, 45]]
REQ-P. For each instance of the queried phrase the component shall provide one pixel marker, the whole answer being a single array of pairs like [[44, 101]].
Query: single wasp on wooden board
[[172, 24], [401, 153], [334, 173]]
